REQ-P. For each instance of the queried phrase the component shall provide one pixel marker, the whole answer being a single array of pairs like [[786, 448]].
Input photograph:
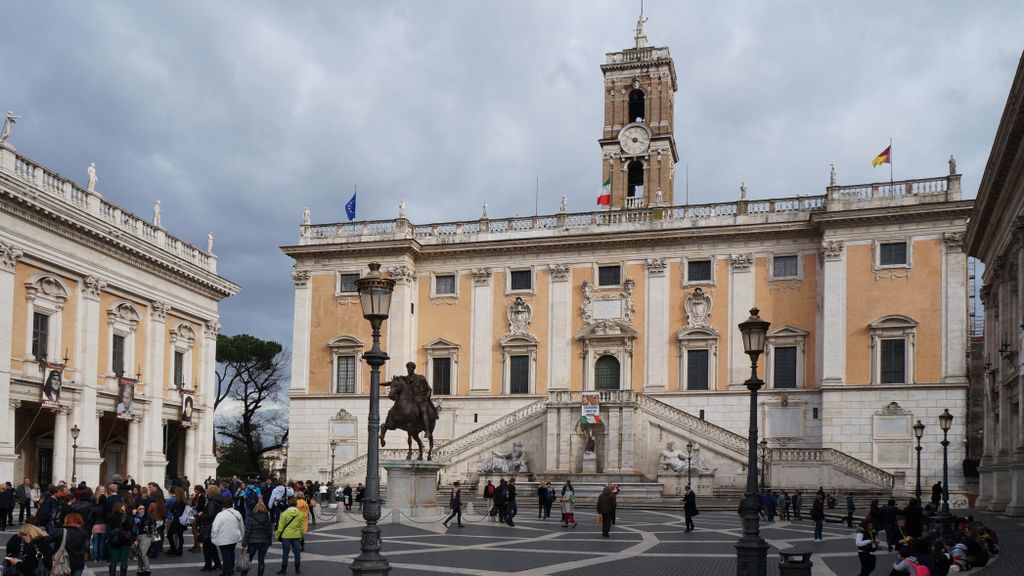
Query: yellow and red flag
[[885, 157]]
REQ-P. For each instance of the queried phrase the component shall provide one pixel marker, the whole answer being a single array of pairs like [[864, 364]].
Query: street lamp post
[[764, 456], [330, 477], [75, 431], [375, 297], [918, 433], [945, 422], [752, 550], [689, 462]]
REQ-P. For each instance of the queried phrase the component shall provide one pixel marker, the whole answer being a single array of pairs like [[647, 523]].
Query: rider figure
[[421, 396]]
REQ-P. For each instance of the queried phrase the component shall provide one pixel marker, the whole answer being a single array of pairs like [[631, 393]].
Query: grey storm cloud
[[236, 115]]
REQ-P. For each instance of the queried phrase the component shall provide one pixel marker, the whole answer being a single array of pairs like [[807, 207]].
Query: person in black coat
[[76, 542], [7, 501], [211, 559], [259, 535], [606, 508], [455, 504], [33, 549], [689, 507]]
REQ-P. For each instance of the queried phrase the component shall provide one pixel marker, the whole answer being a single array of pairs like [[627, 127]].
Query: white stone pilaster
[[954, 311], [481, 333], [9, 256], [401, 336], [155, 461], [134, 447], [61, 450], [202, 418], [741, 300], [190, 453], [832, 338], [560, 311], [656, 316], [87, 359], [300, 331]]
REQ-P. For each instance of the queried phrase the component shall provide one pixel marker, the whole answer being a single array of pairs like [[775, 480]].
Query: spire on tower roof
[[641, 39]]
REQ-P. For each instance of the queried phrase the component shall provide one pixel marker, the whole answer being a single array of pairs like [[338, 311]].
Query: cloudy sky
[[236, 115]]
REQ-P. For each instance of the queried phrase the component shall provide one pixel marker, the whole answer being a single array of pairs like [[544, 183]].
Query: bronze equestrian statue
[[413, 411]]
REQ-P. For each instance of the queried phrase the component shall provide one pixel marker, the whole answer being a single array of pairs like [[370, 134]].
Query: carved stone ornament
[[587, 307], [47, 287], [628, 305], [213, 327], [892, 409], [656, 266], [560, 272], [954, 241], [9, 256], [831, 250], [301, 278], [15, 404], [741, 262], [124, 313], [519, 316], [698, 309], [183, 332], [482, 276], [401, 274], [159, 310], [343, 415], [92, 287]]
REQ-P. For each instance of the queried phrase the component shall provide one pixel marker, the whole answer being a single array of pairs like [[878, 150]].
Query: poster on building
[[591, 408], [52, 386], [126, 393], [187, 406]]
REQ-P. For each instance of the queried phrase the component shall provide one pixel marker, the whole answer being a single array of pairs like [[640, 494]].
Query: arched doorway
[[636, 105], [606, 373]]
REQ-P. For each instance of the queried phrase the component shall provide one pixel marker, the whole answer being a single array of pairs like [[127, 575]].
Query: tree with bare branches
[[249, 374]]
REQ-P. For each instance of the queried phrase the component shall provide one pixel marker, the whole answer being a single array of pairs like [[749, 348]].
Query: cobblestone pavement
[[647, 543]]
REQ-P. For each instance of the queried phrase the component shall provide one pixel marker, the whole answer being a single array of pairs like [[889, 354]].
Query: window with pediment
[[45, 297], [122, 323], [785, 356], [892, 349], [346, 354]]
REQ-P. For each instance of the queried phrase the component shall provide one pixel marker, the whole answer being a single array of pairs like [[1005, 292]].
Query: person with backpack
[[908, 564], [74, 542], [866, 543], [290, 533], [228, 530], [34, 550], [251, 497], [119, 538], [259, 534]]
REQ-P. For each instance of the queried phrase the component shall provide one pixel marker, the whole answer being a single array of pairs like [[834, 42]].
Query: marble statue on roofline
[[91, 172], [9, 121]]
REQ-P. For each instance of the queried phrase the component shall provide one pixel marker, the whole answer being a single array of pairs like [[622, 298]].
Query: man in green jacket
[[291, 526], [24, 495]]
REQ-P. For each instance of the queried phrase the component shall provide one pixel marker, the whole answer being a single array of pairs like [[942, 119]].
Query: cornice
[[875, 216], [184, 273]]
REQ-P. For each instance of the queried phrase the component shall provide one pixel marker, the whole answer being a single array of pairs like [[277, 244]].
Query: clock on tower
[[638, 148]]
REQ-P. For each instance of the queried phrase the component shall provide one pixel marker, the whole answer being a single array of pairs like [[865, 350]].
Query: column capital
[[92, 287], [301, 278], [212, 328], [9, 256], [655, 267], [741, 262], [831, 250], [954, 241], [560, 272], [401, 274], [159, 310], [482, 276], [15, 404]]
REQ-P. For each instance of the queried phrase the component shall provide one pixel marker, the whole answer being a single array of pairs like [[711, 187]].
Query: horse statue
[[413, 411]]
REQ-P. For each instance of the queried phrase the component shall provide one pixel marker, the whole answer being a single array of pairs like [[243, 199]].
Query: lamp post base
[[370, 562], [751, 556]]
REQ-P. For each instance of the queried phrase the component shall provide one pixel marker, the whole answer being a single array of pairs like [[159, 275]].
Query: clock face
[[634, 139]]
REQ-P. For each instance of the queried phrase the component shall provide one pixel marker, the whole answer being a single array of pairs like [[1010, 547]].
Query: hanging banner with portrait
[[187, 407], [591, 410], [126, 398], [52, 385]]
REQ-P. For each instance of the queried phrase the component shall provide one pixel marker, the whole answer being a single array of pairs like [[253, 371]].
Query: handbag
[[242, 564], [61, 563], [188, 516]]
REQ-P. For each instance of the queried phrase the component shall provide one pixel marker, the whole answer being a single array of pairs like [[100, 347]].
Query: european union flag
[[350, 208]]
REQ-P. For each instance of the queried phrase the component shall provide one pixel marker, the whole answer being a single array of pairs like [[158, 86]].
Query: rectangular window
[[347, 283], [784, 267], [179, 368], [442, 381], [698, 271], [892, 254], [40, 335], [117, 355], [521, 280], [444, 284], [519, 374], [609, 276], [697, 369], [785, 367], [346, 375], [894, 361]]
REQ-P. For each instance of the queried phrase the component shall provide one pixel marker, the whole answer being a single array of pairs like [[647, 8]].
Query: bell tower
[[638, 148]]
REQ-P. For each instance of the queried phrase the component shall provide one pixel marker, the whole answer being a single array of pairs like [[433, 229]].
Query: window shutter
[[697, 369], [442, 368], [785, 367]]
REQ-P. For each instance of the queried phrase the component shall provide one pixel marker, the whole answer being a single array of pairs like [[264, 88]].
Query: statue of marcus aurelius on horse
[[413, 411]]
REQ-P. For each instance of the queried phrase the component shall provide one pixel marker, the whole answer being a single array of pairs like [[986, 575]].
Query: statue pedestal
[[673, 484], [589, 463], [412, 487]]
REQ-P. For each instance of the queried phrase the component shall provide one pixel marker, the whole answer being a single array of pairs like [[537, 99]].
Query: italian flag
[[605, 199], [590, 419]]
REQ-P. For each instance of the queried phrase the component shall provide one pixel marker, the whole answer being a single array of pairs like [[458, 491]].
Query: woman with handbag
[[98, 512], [259, 533], [145, 532], [290, 529], [175, 515], [119, 538], [35, 557], [227, 531], [198, 504], [74, 541], [211, 560]]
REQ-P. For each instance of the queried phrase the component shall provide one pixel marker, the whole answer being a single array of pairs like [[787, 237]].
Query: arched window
[[606, 373], [635, 179], [636, 105]]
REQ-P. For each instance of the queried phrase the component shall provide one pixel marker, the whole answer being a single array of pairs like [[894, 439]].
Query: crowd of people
[[61, 528]]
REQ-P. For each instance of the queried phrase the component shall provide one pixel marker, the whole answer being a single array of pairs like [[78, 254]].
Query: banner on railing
[[126, 392], [52, 385], [591, 408]]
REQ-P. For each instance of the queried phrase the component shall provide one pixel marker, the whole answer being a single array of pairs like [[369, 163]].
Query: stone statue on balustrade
[[305, 216], [156, 214], [9, 121], [511, 462], [90, 186]]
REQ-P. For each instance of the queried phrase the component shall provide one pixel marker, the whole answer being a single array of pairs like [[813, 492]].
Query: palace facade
[[996, 237], [512, 319], [108, 326]]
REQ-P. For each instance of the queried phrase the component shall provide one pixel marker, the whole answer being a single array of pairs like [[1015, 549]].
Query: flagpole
[[891, 185]]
